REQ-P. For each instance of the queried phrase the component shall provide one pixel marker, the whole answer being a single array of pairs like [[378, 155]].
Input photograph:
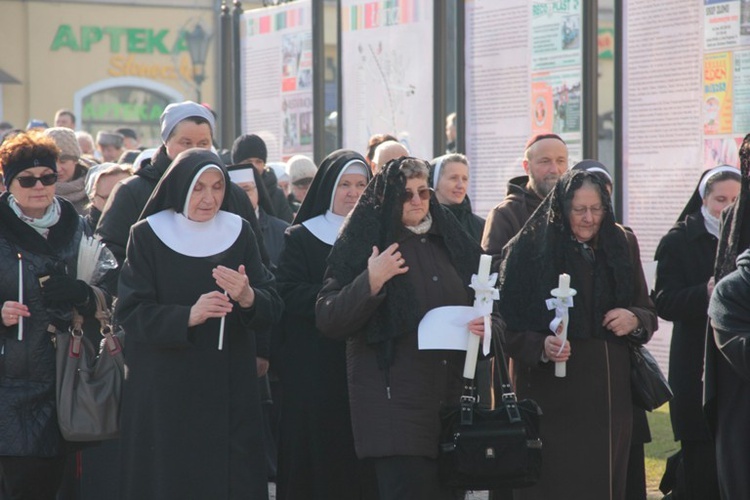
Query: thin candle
[[221, 328], [20, 296]]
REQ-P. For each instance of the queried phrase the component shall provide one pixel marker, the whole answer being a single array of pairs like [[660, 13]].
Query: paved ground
[[478, 495]]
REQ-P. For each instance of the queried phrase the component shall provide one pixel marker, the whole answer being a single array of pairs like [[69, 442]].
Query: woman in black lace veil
[[399, 255], [588, 413]]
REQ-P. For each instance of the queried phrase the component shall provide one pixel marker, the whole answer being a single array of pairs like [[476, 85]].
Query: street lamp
[[198, 41]]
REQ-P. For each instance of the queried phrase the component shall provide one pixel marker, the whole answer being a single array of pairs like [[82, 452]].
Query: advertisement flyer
[[386, 60], [277, 76], [717, 93], [722, 24]]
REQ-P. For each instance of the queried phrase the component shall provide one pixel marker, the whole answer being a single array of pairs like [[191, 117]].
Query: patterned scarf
[[42, 224]]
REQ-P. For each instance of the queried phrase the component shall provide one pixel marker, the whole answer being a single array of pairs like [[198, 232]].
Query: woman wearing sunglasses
[[40, 236], [399, 255]]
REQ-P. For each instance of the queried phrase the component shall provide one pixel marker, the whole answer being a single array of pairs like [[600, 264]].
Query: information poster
[[387, 64], [277, 78], [523, 77]]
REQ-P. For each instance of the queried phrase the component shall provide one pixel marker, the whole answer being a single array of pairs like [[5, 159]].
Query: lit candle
[[20, 296], [472, 350], [221, 328]]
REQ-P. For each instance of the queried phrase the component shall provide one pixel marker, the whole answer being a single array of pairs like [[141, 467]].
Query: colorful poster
[[555, 34], [386, 62], [717, 93], [277, 78]]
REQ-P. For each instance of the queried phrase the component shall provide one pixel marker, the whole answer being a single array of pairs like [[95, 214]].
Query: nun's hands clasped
[[383, 266], [209, 305], [236, 284]]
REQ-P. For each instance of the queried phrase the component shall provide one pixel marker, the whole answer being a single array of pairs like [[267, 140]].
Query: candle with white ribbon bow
[[562, 301], [485, 293], [20, 296]]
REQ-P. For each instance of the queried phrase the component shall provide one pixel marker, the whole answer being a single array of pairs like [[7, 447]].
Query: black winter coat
[[28, 420], [685, 258], [281, 208]]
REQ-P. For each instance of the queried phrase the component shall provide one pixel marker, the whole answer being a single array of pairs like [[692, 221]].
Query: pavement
[[472, 495]]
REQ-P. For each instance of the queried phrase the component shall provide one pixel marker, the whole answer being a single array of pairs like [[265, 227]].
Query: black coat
[[191, 413], [273, 235], [685, 258], [316, 456], [729, 312], [28, 421]]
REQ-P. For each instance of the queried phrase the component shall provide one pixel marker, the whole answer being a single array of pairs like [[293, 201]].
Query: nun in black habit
[[316, 453], [191, 411]]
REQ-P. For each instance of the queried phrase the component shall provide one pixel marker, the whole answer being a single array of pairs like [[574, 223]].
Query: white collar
[[196, 239], [325, 227]]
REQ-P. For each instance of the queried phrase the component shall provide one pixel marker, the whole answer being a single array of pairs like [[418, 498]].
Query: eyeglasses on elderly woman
[[29, 181]]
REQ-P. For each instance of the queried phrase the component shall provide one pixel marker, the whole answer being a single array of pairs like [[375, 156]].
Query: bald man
[[545, 160], [387, 151]]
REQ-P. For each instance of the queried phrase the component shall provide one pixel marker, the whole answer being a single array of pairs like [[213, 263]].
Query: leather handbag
[[647, 382], [89, 380], [486, 449]]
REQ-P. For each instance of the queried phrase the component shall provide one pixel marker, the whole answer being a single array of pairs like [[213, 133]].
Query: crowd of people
[[270, 314]]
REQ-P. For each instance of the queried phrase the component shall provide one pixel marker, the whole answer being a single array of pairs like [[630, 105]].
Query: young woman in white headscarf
[[192, 294], [316, 456]]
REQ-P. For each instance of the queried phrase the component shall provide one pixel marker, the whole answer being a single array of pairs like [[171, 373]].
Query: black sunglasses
[[424, 194], [29, 181]]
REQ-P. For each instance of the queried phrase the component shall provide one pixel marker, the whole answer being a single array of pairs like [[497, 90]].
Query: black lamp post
[[198, 41]]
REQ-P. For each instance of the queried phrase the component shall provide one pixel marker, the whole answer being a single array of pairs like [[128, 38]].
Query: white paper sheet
[[446, 328]]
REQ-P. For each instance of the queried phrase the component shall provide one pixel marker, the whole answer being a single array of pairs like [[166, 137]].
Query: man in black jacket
[[250, 148]]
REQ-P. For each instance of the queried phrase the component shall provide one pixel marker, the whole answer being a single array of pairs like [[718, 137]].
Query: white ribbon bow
[[484, 295], [561, 306]]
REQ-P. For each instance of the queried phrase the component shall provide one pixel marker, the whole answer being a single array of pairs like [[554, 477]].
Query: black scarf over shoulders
[[544, 249], [376, 221]]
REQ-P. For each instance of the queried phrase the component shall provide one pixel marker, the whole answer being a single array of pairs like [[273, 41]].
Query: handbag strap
[[507, 396]]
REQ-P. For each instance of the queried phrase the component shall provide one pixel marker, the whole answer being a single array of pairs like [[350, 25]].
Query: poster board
[[387, 70], [523, 76], [277, 77]]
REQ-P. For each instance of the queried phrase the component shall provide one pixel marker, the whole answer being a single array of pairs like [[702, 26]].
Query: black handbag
[[487, 449], [649, 386]]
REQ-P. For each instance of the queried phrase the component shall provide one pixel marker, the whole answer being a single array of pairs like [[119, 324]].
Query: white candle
[[563, 291], [221, 328], [472, 349], [20, 296]]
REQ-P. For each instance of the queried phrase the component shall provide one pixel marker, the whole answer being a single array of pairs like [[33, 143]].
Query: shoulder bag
[[649, 386], [89, 380], [487, 449]]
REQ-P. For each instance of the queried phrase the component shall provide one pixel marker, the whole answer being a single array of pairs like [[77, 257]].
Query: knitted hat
[[301, 169], [66, 140], [104, 138], [249, 146], [178, 111]]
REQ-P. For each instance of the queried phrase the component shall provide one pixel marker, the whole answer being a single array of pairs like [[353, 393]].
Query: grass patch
[[662, 445]]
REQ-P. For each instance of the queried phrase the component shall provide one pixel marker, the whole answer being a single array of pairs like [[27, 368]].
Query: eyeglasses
[[595, 210], [29, 181], [424, 195]]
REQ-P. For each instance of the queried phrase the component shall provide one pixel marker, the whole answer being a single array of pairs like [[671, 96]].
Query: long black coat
[[729, 311], [685, 258], [316, 456], [191, 413]]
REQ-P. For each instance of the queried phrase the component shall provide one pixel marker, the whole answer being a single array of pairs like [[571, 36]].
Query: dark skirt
[[587, 422]]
